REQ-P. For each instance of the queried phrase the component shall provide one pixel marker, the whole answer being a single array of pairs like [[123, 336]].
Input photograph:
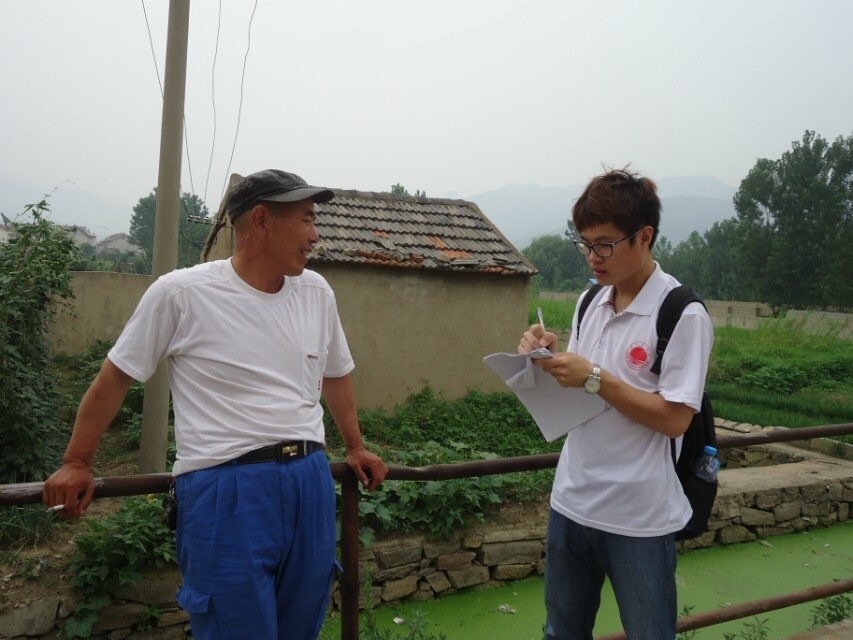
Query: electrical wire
[[151, 44], [163, 97], [240, 106], [213, 98]]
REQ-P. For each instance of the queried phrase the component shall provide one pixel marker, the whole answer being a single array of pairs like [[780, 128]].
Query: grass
[[557, 315], [782, 373]]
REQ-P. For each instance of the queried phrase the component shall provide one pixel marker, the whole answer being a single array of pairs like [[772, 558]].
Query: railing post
[[349, 556]]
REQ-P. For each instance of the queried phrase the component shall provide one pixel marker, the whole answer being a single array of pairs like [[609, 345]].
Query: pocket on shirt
[[313, 367]]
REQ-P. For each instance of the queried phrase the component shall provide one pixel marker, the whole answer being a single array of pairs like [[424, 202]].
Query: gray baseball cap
[[271, 185]]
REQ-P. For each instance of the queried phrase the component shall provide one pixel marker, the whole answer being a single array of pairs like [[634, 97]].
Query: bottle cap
[[711, 451]]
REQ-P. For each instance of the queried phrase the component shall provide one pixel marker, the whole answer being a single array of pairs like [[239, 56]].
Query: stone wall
[[764, 491]]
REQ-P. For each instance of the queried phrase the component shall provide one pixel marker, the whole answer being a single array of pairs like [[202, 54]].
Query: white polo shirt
[[615, 474], [246, 367]]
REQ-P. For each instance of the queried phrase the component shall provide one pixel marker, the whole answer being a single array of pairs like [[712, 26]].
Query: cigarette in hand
[[58, 507]]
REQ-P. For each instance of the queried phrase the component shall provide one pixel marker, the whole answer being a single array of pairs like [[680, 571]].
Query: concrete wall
[[103, 303], [405, 327]]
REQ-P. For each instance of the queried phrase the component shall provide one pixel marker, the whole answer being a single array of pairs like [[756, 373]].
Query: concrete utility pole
[[155, 408]]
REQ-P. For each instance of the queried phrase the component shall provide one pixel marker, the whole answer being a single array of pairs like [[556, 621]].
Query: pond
[[707, 579]]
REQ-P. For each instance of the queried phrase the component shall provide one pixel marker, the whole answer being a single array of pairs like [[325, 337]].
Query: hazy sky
[[454, 97]]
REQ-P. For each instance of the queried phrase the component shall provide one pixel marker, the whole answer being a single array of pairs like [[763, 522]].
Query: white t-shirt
[[615, 474], [245, 367]]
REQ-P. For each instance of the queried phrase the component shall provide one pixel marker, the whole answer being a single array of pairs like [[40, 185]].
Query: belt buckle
[[287, 450]]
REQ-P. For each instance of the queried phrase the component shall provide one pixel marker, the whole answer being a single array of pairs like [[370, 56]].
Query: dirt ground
[[33, 572]]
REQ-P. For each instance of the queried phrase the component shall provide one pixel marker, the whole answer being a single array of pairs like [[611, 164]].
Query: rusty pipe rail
[[29, 493], [110, 487], [751, 608]]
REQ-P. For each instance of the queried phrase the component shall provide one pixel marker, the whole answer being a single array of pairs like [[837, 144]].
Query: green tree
[[794, 218], [400, 190], [193, 227], [686, 261], [90, 259], [561, 267], [34, 277], [722, 276], [663, 251]]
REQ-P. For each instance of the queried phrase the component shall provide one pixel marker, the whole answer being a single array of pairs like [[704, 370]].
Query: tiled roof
[[413, 232]]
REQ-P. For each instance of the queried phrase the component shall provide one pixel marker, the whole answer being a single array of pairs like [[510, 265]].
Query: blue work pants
[[256, 546]]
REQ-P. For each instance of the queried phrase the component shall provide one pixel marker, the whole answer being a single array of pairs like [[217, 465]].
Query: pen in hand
[[540, 317]]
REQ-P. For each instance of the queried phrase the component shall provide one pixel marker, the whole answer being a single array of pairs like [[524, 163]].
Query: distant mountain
[[524, 212], [67, 206]]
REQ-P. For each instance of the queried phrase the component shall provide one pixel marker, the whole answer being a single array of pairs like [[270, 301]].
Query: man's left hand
[[367, 466]]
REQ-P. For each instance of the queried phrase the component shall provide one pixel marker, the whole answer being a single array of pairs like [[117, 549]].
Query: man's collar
[[645, 303]]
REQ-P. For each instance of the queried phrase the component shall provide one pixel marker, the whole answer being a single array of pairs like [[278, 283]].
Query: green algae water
[[707, 579]]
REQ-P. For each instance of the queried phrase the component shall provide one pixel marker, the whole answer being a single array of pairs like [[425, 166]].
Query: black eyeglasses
[[601, 249]]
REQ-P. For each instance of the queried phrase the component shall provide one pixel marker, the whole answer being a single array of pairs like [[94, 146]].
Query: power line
[[213, 98], [151, 44], [157, 71], [240, 106]]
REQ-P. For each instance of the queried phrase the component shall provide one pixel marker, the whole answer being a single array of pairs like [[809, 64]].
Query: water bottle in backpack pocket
[[708, 464]]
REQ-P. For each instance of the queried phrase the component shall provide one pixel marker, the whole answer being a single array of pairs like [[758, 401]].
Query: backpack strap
[[668, 316], [584, 305]]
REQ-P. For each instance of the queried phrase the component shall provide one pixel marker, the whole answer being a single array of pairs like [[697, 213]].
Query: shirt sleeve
[[339, 361], [684, 367], [146, 337]]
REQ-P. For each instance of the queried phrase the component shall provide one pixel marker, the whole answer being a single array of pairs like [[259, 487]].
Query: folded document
[[557, 410]]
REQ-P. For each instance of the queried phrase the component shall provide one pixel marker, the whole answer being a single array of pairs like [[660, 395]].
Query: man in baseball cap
[[253, 342], [271, 185]]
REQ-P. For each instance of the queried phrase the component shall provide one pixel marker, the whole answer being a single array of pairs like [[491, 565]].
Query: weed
[[434, 507], [148, 618], [414, 626], [831, 610], [112, 552], [754, 630], [24, 525], [29, 568], [686, 635]]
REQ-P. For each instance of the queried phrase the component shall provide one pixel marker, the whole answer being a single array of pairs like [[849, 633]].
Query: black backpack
[[701, 432]]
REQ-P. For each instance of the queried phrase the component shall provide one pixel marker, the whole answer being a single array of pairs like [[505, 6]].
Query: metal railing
[[30, 493]]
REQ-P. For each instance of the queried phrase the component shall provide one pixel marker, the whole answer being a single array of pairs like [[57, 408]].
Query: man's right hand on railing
[[69, 490]]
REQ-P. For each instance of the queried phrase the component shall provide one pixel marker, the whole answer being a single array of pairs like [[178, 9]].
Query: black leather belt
[[280, 452]]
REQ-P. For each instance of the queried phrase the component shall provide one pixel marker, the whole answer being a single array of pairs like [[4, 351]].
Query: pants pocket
[[192, 600]]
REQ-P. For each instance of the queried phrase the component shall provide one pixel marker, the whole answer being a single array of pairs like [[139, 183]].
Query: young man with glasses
[[616, 502]]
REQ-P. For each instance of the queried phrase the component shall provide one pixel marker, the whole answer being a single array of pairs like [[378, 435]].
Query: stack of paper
[[557, 410]]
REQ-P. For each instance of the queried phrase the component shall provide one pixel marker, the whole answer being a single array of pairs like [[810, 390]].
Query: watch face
[[592, 384]]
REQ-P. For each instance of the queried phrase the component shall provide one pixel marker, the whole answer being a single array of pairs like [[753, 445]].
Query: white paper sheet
[[555, 409]]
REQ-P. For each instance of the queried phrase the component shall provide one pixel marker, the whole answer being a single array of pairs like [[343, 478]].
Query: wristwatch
[[593, 382]]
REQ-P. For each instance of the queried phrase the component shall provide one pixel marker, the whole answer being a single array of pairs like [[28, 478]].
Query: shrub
[[475, 427], [34, 277], [831, 610], [433, 507], [111, 554]]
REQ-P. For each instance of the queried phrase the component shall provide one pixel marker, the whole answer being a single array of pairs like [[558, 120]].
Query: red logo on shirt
[[638, 356]]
